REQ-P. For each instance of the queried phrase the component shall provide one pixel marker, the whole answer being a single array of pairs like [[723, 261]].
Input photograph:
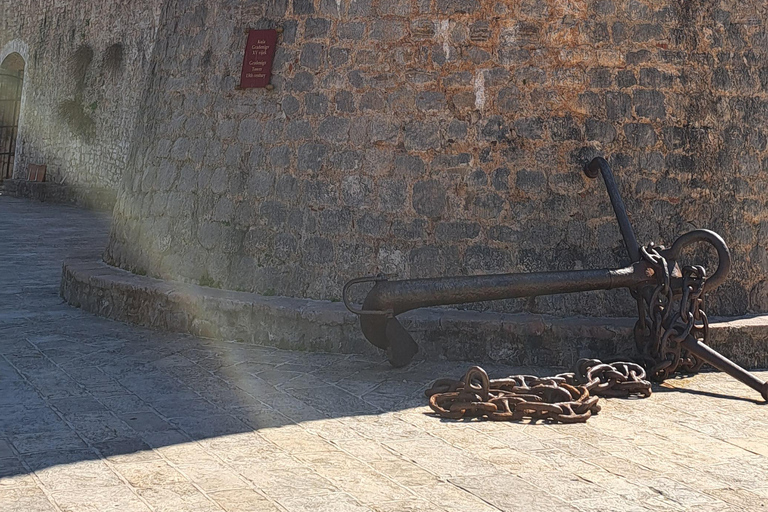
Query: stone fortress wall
[[438, 137], [86, 66]]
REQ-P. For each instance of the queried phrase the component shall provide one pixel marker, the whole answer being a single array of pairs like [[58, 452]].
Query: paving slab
[[102, 415]]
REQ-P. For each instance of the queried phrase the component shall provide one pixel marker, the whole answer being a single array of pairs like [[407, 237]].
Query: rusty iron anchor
[[671, 334]]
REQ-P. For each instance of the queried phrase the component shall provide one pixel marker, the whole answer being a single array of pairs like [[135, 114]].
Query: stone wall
[[85, 76], [432, 137]]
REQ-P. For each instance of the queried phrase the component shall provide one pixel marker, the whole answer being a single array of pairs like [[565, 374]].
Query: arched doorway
[[11, 81]]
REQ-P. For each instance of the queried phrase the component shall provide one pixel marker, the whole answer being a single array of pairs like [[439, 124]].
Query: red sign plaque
[[257, 62]]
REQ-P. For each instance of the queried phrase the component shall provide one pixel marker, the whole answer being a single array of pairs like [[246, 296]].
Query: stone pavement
[[97, 415]]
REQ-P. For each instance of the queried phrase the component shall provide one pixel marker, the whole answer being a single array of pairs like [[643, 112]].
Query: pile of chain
[[666, 321], [565, 398]]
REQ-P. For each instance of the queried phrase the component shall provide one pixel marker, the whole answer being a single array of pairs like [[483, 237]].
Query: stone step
[[314, 325], [92, 198]]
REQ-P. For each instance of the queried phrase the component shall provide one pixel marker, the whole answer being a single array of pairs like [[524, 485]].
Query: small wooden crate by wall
[[36, 172]]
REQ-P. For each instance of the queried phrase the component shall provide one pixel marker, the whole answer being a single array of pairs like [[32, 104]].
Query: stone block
[[423, 28], [372, 100], [640, 135], [457, 6], [529, 128], [316, 104], [312, 56], [318, 250], [618, 106], [649, 104], [485, 205], [647, 32], [351, 30], [311, 156], [338, 57], [500, 179], [298, 129], [422, 135], [280, 157], [347, 161], [600, 131], [600, 78], [565, 128], [410, 165], [531, 181], [457, 130], [429, 198], [626, 78], [303, 6], [430, 100], [454, 231], [316, 28], [360, 8], [303, 81], [345, 101], [387, 30], [382, 129]]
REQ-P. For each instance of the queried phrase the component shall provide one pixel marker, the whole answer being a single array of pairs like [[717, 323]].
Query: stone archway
[[11, 83], [13, 59]]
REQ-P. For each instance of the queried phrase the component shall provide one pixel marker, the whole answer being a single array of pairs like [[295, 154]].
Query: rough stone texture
[[298, 324], [100, 415], [304, 324], [90, 197], [108, 90], [429, 138]]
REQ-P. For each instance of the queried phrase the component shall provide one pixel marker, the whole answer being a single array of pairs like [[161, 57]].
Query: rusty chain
[[565, 398], [665, 321]]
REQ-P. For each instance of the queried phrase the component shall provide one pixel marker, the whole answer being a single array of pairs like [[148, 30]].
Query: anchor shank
[[401, 296]]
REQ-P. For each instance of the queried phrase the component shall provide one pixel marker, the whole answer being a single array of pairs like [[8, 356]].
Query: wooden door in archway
[[10, 105]]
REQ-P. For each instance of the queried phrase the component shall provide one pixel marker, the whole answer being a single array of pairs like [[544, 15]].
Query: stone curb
[[314, 325], [92, 198]]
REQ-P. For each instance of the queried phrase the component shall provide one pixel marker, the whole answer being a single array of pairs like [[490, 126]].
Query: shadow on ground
[[669, 386], [100, 389], [76, 387]]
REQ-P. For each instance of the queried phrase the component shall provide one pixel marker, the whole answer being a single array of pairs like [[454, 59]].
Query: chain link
[[564, 398], [665, 321]]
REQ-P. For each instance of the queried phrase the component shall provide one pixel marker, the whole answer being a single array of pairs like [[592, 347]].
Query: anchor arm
[[722, 363], [600, 165]]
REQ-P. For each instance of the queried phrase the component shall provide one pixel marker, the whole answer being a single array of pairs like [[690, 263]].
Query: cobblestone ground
[[97, 415]]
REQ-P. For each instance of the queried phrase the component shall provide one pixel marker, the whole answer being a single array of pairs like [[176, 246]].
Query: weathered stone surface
[[322, 325], [428, 198], [416, 92], [100, 415], [90, 148]]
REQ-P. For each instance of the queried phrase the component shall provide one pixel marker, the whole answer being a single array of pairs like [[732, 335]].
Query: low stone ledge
[[93, 198], [313, 325]]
